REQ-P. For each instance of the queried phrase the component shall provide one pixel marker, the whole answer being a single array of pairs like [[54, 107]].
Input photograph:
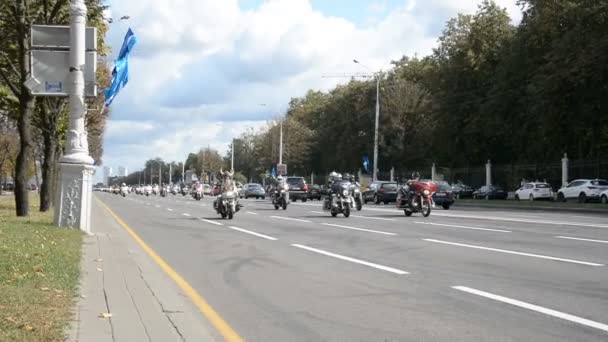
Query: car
[[462, 191], [380, 191], [444, 196], [584, 190], [490, 192], [254, 190], [534, 191], [604, 197], [314, 192], [298, 190]]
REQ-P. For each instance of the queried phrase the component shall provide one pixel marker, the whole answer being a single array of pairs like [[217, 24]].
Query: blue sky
[[202, 68]]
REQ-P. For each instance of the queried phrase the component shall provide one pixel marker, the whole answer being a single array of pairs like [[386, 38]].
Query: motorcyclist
[[334, 177], [225, 185], [406, 188]]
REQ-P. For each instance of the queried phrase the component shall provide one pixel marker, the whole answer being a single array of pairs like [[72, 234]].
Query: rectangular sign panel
[[51, 69], [58, 37]]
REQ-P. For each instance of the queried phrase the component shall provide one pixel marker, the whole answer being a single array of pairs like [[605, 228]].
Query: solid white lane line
[[158, 206], [251, 213], [212, 222], [546, 311], [317, 212], [507, 219], [290, 219], [253, 233], [373, 218], [515, 252], [360, 229], [169, 209], [465, 227], [356, 261], [185, 214], [581, 239]]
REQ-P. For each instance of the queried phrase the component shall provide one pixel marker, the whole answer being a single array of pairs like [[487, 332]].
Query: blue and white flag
[[366, 164], [120, 73]]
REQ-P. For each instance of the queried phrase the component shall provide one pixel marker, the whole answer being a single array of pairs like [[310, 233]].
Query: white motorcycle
[[124, 190]]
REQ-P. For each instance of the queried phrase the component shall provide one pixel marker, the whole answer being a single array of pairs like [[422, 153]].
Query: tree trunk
[[26, 108], [48, 172]]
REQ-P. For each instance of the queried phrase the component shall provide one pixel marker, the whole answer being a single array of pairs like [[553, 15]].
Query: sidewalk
[[119, 278]]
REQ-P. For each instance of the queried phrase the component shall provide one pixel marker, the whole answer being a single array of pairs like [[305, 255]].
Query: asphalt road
[[458, 275]]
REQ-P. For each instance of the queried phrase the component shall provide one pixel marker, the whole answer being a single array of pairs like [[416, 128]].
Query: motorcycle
[[226, 204], [420, 198], [155, 190], [280, 197], [174, 190], [124, 190], [163, 191], [340, 200], [148, 190], [358, 196], [184, 190], [197, 193]]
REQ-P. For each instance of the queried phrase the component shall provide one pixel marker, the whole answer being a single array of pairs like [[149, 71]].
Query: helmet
[[415, 175], [334, 176], [348, 176], [123, 184]]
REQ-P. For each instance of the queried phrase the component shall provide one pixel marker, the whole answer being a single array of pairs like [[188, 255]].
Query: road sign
[[50, 61], [282, 169]]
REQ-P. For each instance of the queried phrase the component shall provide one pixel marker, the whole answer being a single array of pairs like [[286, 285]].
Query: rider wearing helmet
[[406, 189], [332, 187]]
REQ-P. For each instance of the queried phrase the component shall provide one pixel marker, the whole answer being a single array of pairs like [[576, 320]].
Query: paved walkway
[[120, 279]]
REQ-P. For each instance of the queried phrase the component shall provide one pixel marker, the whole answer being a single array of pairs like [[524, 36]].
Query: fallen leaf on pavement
[[11, 319], [44, 289], [26, 327], [105, 315], [57, 291]]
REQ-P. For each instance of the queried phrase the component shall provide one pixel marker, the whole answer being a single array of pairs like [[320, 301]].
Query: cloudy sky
[[202, 68]]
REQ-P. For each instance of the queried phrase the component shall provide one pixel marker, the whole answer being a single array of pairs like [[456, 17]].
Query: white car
[[534, 191], [604, 197], [583, 189]]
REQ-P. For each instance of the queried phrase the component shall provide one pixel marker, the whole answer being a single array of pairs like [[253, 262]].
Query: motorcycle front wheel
[[346, 211], [407, 212], [425, 207], [284, 204], [359, 205], [230, 214]]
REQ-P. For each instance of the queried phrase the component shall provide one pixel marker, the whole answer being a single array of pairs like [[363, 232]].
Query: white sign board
[[282, 169], [52, 68], [58, 37]]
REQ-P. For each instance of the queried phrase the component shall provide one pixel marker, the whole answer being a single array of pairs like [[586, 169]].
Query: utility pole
[[73, 203], [232, 160], [183, 173], [170, 166], [281, 144], [160, 173]]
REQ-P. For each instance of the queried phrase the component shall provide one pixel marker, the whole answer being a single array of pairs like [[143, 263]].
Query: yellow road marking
[[216, 320]]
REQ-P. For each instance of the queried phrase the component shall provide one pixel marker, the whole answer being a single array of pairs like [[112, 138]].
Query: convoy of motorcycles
[[341, 198]]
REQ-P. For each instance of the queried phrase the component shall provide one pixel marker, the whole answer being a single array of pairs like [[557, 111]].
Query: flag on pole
[[120, 73], [366, 164]]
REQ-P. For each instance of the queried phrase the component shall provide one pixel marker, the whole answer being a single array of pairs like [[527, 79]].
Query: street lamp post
[[73, 199], [378, 76]]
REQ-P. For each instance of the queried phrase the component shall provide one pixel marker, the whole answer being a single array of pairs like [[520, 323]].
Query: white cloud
[[201, 68]]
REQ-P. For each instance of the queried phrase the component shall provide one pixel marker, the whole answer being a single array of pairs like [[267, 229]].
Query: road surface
[[458, 275]]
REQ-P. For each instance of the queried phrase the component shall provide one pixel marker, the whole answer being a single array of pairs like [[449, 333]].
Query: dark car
[[314, 192], [490, 192], [380, 191], [254, 190], [444, 196], [298, 190], [462, 191]]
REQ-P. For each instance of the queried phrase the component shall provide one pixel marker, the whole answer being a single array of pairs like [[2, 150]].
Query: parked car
[[490, 192], [584, 190], [380, 191], [254, 190], [314, 192], [534, 191], [444, 196], [462, 191], [604, 197], [298, 190]]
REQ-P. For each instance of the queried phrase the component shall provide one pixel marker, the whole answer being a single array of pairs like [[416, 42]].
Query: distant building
[[122, 171], [107, 173]]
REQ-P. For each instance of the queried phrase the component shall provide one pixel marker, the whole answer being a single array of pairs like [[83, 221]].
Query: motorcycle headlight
[[356, 190], [230, 194], [345, 192], [282, 191], [426, 192]]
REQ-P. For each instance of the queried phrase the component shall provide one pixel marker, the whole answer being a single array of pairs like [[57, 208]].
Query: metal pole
[[73, 197], [160, 173], [183, 166], [170, 166], [281, 144], [375, 173], [232, 160]]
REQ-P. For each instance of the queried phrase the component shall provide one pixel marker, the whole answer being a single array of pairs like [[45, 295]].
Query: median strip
[[515, 252], [540, 309], [356, 261]]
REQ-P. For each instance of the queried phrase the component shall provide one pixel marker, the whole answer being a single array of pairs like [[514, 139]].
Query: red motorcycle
[[420, 198]]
